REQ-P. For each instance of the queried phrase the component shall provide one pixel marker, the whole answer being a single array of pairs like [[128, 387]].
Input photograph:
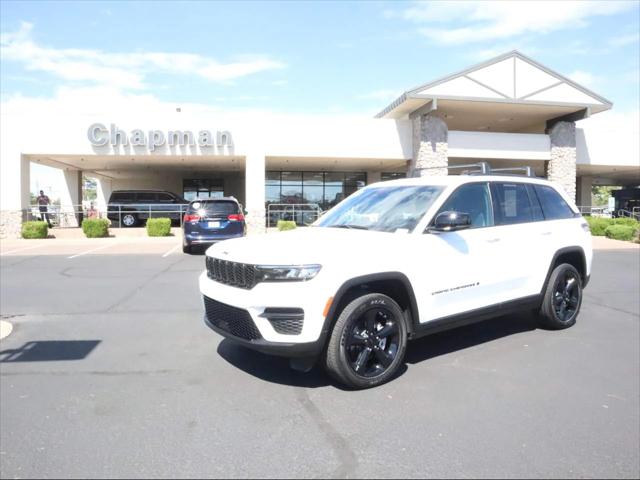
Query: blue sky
[[307, 57]]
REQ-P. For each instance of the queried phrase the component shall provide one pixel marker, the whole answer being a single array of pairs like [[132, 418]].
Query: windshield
[[385, 209]]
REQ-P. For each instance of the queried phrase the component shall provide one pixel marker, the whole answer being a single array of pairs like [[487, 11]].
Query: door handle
[[493, 240], [546, 233]]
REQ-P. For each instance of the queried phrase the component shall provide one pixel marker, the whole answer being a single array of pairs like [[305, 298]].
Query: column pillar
[[562, 166], [430, 146], [583, 191], [373, 177], [72, 198], [254, 192]]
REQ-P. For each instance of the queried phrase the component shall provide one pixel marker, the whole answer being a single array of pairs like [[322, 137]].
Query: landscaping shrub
[[284, 225], [95, 227], [35, 230], [598, 225], [630, 222], [620, 232], [159, 227]]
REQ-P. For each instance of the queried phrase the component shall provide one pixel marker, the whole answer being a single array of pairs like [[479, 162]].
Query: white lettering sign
[[100, 136]]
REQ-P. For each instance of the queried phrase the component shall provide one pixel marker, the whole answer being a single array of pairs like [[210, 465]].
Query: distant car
[[600, 212], [132, 207], [212, 220]]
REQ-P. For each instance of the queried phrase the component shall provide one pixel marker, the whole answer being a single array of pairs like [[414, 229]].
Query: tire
[[129, 220], [186, 249], [562, 298], [357, 353]]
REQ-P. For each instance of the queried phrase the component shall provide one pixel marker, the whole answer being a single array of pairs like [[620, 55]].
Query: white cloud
[[622, 40], [122, 70], [494, 20]]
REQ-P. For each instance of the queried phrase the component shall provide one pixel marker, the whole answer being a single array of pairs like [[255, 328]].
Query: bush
[[620, 232], [630, 222], [95, 227], [159, 227], [35, 230], [598, 225], [284, 225]]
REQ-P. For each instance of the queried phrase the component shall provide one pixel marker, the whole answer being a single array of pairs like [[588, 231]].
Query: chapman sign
[[101, 136]]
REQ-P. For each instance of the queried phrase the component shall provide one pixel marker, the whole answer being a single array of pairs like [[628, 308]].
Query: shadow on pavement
[[49, 351], [460, 338], [276, 369]]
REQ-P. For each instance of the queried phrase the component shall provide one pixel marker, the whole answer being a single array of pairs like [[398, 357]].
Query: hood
[[301, 246]]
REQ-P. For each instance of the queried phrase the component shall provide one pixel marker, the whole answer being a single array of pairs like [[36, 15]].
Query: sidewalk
[[604, 243]]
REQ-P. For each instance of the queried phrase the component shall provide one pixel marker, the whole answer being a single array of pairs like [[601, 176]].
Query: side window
[[165, 198], [121, 197], [473, 199], [511, 203], [146, 197], [554, 206], [536, 209]]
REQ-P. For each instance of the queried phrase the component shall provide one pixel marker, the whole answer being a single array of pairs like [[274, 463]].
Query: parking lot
[[110, 372]]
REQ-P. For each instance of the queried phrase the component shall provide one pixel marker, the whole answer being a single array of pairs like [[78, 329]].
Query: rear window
[[118, 197], [215, 208], [554, 206]]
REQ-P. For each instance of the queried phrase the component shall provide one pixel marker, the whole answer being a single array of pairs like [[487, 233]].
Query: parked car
[[133, 207], [208, 221], [398, 260]]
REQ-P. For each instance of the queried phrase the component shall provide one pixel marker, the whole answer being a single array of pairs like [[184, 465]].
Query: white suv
[[396, 261]]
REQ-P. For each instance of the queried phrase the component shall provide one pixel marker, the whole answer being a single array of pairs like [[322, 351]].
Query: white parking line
[[92, 250], [22, 249], [166, 254]]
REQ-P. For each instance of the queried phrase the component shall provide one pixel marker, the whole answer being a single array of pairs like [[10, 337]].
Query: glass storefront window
[[325, 189], [193, 188]]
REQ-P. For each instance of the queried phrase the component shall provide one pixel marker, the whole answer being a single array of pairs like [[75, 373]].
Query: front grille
[[236, 274], [234, 320], [286, 321]]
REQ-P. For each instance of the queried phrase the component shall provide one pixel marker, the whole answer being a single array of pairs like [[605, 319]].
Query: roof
[[509, 78]]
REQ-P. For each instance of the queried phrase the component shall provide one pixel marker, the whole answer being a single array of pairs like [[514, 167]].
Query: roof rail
[[483, 168]]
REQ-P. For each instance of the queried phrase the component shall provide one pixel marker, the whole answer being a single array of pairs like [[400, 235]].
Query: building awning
[[506, 86]]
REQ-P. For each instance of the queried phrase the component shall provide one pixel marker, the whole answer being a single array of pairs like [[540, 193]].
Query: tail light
[[190, 217], [236, 217]]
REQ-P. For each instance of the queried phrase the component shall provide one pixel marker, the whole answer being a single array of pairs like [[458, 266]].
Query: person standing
[[43, 206]]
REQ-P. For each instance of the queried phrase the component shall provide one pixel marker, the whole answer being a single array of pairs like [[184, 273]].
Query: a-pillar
[[562, 166], [583, 193], [430, 146], [254, 192]]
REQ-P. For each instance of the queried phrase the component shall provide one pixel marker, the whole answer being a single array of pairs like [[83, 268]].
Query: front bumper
[[281, 349], [310, 297]]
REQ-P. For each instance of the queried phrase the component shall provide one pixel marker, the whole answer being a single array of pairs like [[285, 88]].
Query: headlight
[[288, 273]]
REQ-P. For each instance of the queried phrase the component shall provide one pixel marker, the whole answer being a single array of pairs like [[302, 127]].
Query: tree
[[600, 195]]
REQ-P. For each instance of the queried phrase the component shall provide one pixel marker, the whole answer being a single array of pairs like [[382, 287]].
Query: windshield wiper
[[355, 227]]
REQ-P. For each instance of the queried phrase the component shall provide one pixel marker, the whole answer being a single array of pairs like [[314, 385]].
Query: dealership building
[[510, 111]]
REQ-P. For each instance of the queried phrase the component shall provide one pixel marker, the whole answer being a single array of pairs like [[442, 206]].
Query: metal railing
[[65, 216], [301, 213]]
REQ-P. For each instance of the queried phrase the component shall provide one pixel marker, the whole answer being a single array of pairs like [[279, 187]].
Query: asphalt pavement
[[110, 372]]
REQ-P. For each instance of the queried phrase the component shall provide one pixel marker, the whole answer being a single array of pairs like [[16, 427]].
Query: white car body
[[450, 273]]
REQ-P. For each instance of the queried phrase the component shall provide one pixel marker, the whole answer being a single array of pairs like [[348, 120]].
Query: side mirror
[[450, 221]]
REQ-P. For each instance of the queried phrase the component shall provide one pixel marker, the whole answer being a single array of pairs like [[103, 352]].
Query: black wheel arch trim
[[363, 280], [563, 251]]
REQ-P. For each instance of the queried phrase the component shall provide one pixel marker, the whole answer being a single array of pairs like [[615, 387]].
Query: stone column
[[254, 192], [430, 146], [562, 166]]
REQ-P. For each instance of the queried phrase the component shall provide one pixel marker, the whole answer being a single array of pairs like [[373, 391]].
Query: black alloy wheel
[[562, 298], [566, 297], [368, 342], [372, 341]]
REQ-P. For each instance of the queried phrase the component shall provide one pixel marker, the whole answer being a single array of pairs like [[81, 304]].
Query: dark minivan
[[212, 220], [132, 207]]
